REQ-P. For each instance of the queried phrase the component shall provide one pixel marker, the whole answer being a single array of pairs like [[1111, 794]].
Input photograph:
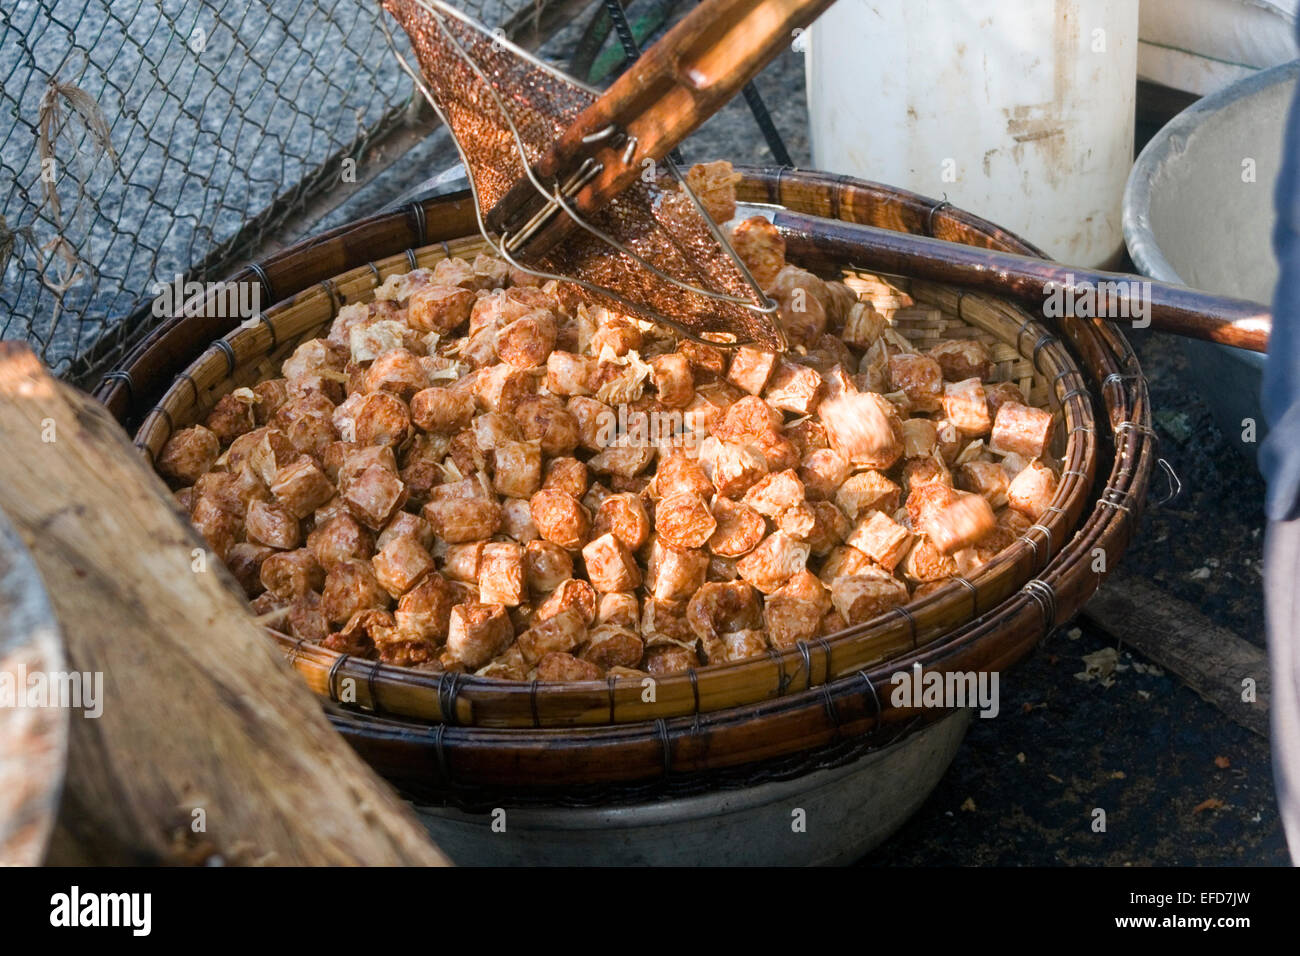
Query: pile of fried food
[[475, 472]]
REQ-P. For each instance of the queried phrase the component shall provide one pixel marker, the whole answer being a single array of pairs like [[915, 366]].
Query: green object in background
[[595, 57]]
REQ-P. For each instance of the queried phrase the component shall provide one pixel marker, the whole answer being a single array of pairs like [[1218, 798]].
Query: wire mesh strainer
[[651, 249]]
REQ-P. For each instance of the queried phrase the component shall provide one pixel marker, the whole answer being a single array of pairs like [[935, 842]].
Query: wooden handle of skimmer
[[1047, 288], [682, 80]]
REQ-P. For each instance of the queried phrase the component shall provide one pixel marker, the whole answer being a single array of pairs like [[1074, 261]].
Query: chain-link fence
[[148, 139], [154, 139]]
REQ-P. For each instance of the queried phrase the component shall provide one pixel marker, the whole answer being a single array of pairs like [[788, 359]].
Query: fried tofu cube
[[518, 468], [732, 469], [290, 575], [795, 388], [400, 563], [751, 369], [546, 565], [985, 478], [501, 574], [266, 524], [1031, 492], [373, 496], [863, 427], [920, 378], [620, 608], [571, 593], [439, 308], [867, 594], [476, 633], [882, 539], [961, 359], [822, 472], [674, 574], [965, 406], [714, 185], [794, 611], [460, 520], [761, 248], [560, 518], [1021, 430], [441, 411], [776, 559], [610, 564], [426, 608], [740, 529], [775, 493], [614, 645], [351, 586], [673, 379], [560, 633], [558, 666], [300, 487], [866, 491]]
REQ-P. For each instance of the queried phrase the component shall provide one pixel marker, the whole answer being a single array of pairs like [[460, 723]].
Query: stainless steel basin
[[845, 813], [1198, 210]]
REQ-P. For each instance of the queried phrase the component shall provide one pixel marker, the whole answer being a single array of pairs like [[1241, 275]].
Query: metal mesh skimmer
[[651, 251]]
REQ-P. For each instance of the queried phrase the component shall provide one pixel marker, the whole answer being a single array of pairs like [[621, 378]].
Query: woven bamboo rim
[[455, 759], [1022, 349]]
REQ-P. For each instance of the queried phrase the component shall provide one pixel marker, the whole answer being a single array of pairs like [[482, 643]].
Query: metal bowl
[[846, 812], [1198, 210]]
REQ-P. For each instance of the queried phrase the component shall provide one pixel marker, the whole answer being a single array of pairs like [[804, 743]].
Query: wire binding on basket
[[123, 376], [805, 655], [911, 622], [1045, 597], [661, 729], [257, 269], [225, 348], [440, 753], [974, 593], [448, 689], [270, 328], [1045, 340], [832, 711], [935, 208], [372, 688], [783, 680], [416, 212], [332, 290], [876, 709]]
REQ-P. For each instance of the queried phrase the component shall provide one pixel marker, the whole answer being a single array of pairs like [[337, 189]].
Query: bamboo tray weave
[[1023, 351], [802, 730]]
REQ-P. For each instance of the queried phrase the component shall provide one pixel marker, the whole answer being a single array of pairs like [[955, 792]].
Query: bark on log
[[208, 749]]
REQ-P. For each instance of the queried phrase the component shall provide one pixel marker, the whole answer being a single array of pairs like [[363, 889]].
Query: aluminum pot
[[827, 817], [1198, 210]]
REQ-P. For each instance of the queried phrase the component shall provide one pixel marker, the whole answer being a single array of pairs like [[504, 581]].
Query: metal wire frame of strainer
[[652, 250]]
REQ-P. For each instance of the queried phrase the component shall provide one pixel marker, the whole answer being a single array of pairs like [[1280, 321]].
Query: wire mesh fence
[[150, 139], [153, 143]]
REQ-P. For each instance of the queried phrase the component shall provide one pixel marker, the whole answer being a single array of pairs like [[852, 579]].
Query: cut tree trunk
[[208, 748]]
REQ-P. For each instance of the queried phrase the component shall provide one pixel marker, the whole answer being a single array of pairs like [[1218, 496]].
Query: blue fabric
[[1279, 456]]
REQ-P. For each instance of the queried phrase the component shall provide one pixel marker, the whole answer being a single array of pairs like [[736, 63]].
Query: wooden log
[[1210, 659], [33, 739], [208, 748]]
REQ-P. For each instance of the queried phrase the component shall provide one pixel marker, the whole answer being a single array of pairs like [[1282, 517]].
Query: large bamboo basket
[[804, 727], [1023, 351]]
